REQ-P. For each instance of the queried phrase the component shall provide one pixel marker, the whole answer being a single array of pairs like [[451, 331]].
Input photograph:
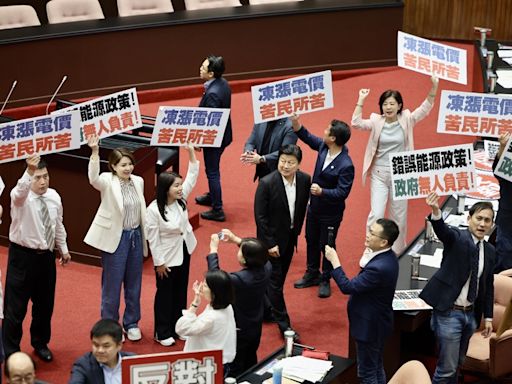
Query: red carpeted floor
[[320, 322]]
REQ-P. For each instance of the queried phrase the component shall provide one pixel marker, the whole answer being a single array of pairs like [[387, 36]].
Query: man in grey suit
[[262, 147]]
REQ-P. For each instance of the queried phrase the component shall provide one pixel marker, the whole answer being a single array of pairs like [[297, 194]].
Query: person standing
[[35, 233], [117, 230], [370, 307], [332, 182], [279, 210], [172, 241], [262, 147], [462, 289], [391, 132], [217, 94]]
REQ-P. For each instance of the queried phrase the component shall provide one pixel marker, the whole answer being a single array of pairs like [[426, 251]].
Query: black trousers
[[30, 276], [171, 298], [246, 348], [275, 295]]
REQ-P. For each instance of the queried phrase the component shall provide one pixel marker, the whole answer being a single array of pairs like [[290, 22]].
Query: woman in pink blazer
[[391, 131]]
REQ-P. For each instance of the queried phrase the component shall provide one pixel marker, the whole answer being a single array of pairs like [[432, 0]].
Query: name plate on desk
[[409, 300]]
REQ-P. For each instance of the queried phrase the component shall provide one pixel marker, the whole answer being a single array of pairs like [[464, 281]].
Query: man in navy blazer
[[105, 358], [332, 182], [279, 210], [217, 94], [262, 146], [462, 289], [370, 307]]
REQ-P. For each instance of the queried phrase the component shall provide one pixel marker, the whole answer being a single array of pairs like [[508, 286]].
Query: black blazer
[[87, 370], [218, 95], [250, 286], [335, 180], [444, 287], [271, 210]]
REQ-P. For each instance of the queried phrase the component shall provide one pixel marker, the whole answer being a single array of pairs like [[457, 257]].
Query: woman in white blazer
[[171, 241], [118, 232]]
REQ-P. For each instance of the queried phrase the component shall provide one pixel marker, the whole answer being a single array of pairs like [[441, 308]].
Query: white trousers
[[381, 192]]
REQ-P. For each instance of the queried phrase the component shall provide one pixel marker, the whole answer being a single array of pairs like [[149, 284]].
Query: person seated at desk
[[215, 327], [103, 364], [504, 215], [462, 289], [370, 307]]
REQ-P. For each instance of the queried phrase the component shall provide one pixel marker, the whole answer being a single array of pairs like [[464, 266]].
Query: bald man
[[20, 368]]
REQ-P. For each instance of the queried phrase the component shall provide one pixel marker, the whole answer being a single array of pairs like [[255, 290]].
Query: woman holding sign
[[117, 231], [171, 241], [391, 132]]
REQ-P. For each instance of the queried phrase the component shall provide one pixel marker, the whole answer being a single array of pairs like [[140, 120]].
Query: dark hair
[[341, 131], [216, 65], [481, 206], [107, 327], [221, 288], [6, 365], [164, 182], [391, 93], [42, 163], [291, 150], [390, 230], [116, 155], [254, 251]]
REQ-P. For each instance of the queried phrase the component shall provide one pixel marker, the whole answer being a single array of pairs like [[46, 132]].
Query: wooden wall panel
[[455, 19]]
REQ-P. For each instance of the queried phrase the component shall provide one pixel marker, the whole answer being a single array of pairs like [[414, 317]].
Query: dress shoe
[[307, 280], [44, 354], [214, 214], [324, 290], [204, 200]]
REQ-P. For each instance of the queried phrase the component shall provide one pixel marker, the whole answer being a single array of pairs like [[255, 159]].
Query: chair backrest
[[204, 4], [502, 297], [411, 372], [16, 16], [64, 11], [143, 7], [252, 2]]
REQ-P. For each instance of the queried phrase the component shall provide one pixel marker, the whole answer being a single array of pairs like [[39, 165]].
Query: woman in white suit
[[117, 231], [171, 241]]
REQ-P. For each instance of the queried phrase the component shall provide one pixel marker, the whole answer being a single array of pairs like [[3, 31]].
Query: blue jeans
[[212, 169], [503, 249], [124, 266], [370, 369], [453, 329]]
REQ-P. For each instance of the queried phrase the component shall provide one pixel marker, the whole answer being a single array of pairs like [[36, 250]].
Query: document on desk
[[505, 53], [434, 260], [504, 78], [300, 368], [408, 300]]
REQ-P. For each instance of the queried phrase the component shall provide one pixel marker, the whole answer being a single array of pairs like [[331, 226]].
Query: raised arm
[[20, 192], [192, 172], [443, 232], [94, 163], [433, 90]]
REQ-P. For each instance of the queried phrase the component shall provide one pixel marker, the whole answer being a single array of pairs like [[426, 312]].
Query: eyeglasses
[[374, 234]]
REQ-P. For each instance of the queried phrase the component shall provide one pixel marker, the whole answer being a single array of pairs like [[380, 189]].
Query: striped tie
[[47, 224]]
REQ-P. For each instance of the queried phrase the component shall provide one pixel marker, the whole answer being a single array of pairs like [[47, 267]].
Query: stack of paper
[[300, 368]]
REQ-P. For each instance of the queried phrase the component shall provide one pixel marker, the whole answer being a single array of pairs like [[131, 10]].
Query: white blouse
[[212, 329], [166, 237]]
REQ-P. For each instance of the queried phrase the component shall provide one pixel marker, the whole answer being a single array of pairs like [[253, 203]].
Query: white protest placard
[[432, 58], [42, 135], [491, 149], [2, 185], [283, 98], [108, 115], [444, 170], [504, 166], [203, 127], [474, 114]]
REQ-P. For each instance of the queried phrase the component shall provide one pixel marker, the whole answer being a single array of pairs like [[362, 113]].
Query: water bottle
[[288, 339]]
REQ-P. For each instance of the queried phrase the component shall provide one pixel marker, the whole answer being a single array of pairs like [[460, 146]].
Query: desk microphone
[[55, 93], [9, 95]]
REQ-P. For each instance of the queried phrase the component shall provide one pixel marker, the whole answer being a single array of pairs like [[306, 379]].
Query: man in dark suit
[[279, 210], [105, 358], [370, 307], [217, 94], [332, 182], [462, 289], [262, 146]]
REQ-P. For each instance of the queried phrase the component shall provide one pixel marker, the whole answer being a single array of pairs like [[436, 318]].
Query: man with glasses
[[279, 209], [370, 307]]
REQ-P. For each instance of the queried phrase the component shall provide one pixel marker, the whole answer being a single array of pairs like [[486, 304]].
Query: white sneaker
[[134, 334], [167, 342]]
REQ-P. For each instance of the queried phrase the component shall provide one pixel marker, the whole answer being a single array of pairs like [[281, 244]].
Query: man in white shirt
[[279, 210], [36, 230]]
